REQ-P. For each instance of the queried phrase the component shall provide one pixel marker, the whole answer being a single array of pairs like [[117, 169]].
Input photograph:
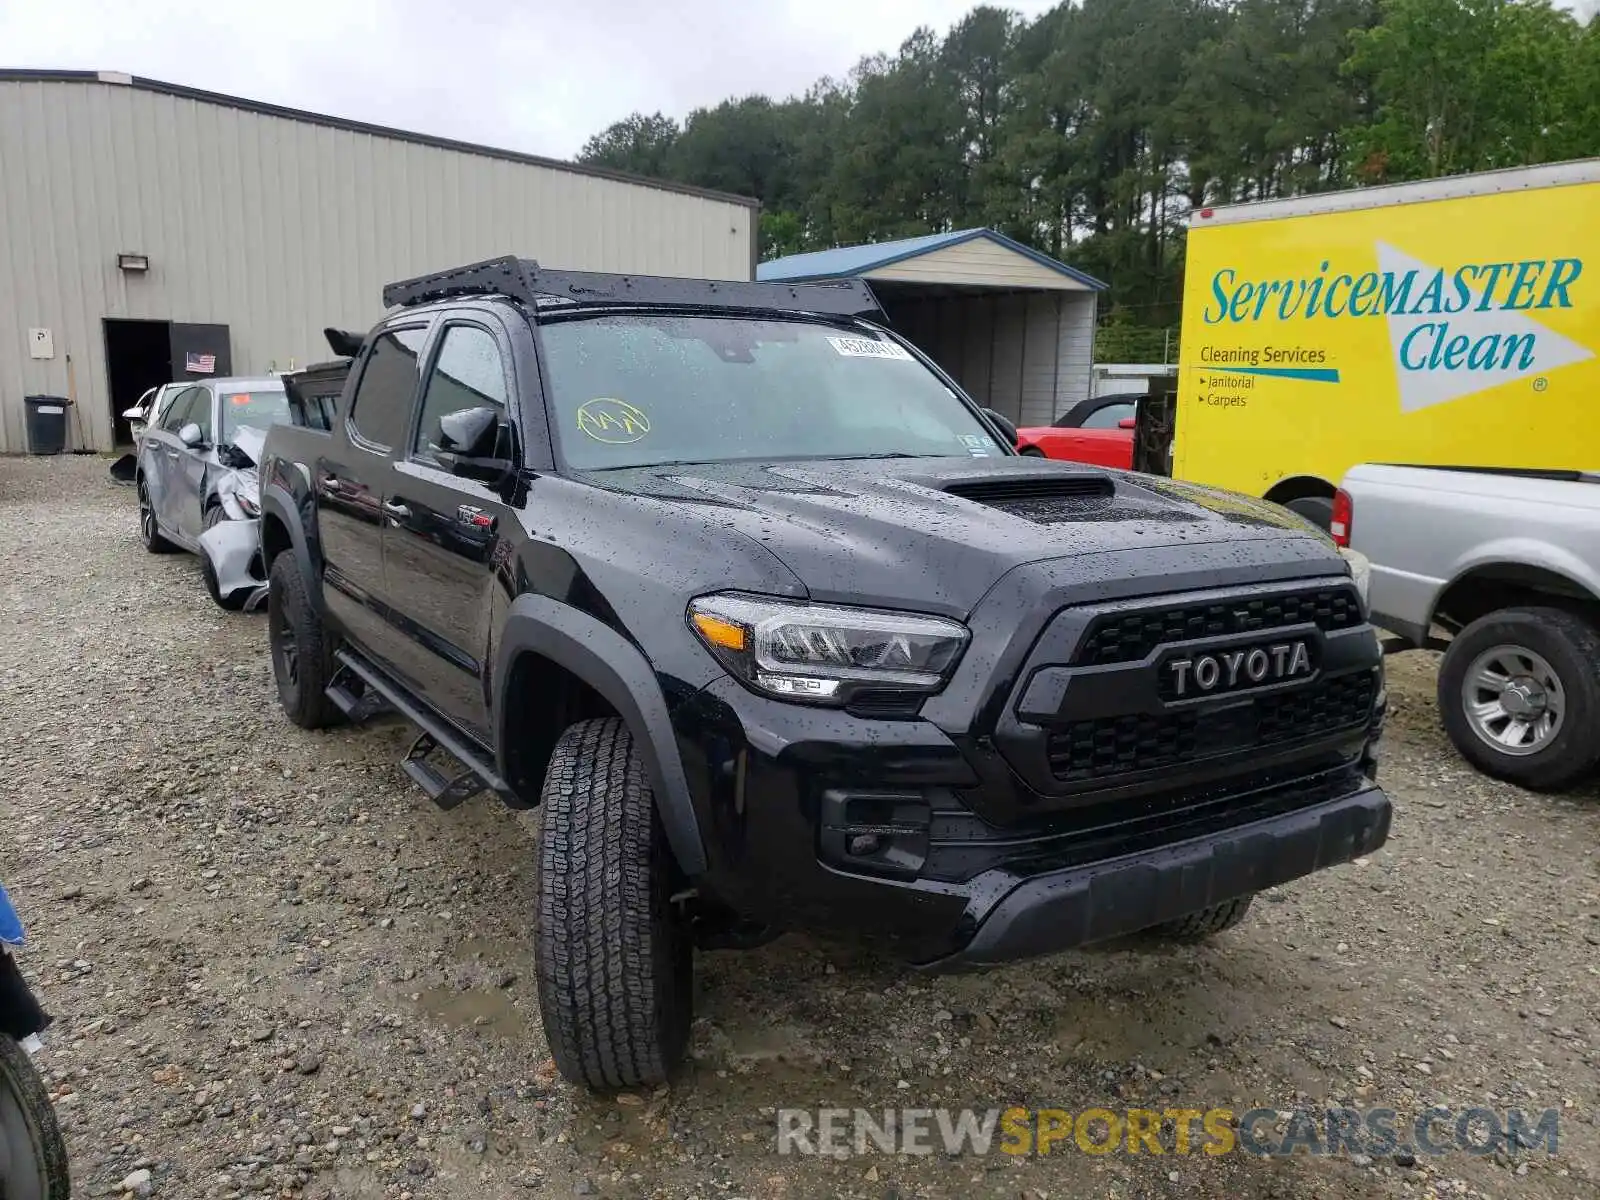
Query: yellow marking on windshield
[[616, 422]]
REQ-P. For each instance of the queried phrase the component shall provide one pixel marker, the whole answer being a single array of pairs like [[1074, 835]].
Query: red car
[[1098, 430]]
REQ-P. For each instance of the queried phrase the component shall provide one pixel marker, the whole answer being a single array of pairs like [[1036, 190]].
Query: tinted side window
[[380, 411], [468, 373], [1107, 417], [200, 412], [178, 409]]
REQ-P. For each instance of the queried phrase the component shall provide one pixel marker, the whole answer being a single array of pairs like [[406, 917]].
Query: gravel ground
[[278, 970]]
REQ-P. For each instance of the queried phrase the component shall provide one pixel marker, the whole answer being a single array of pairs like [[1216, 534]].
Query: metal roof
[[118, 78], [847, 261]]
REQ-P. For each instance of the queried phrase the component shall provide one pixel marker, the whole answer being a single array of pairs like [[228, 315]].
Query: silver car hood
[[250, 440]]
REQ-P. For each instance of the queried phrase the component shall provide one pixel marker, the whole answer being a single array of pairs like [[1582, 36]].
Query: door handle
[[332, 483], [396, 512]]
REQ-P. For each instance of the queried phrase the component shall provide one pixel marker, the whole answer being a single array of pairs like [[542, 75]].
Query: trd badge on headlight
[[1230, 670]]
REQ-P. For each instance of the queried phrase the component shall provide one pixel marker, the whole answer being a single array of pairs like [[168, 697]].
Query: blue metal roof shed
[[1015, 327]]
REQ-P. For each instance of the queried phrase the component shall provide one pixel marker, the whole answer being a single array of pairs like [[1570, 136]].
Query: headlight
[[1360, 571], [247, 491], [822, 653]]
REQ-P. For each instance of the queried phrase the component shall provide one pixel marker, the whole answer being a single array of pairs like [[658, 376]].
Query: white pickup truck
[[1501, 570]]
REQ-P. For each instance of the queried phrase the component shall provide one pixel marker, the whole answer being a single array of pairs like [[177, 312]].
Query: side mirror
[[190, 435], [1128, 423], [467, 431], [474, 443], [1006, 427]]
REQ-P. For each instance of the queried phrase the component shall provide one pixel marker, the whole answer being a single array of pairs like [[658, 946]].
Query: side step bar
[[379, 694], [352, 696]]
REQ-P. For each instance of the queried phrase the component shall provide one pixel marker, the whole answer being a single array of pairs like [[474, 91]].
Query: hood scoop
[[1046, 500], [1007, 493]]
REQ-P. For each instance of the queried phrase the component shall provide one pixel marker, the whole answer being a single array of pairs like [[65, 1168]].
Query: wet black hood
[[937, 533]]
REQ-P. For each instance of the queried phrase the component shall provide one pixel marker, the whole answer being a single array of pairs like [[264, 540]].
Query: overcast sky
[[538, 76]]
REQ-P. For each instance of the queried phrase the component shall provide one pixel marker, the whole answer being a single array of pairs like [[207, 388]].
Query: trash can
[[47, 423]]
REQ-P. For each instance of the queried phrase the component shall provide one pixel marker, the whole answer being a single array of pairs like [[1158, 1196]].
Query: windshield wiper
[[650, 466], [883, 454]]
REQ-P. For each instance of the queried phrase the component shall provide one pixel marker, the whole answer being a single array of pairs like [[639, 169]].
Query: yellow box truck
[[1453, 322]]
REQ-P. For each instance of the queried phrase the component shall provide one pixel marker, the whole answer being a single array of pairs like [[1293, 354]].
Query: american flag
[[199, 364]]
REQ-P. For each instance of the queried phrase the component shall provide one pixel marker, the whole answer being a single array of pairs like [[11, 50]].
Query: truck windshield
[[636, 390]]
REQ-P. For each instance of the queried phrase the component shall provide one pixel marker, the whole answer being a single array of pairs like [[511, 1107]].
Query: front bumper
[[784, 794], [1083, 905], [234, 548], [1060, 789]]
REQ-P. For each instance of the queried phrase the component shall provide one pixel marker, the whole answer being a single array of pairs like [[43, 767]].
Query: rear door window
[[380, 410]]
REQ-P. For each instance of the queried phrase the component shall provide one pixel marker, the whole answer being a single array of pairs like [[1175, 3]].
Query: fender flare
[[614, 667], [276, 502], [1531, 553]]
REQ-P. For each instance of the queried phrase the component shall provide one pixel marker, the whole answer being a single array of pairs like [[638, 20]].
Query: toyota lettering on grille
[[1230, 670]]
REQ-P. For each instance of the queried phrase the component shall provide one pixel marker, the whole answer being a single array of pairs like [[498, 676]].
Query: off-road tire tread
[[310, 707], [1572, 645], [614, 963], [21, 1075], [1198, 926]]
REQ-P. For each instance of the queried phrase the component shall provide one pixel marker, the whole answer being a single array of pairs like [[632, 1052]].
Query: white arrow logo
[[1500, 345]]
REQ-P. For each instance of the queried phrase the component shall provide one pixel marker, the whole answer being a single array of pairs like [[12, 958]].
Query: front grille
[[1107, 747], [1128, 637]]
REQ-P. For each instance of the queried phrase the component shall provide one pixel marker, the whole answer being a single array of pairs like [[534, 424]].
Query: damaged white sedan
[[197, 482]]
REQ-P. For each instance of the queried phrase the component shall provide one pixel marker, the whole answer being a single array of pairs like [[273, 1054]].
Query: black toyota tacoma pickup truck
[[769, 619]]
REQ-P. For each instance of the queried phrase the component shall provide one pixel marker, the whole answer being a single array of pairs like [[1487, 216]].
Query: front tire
[[1201, 926], [1033, 452], [32, 1151], [302, 655], [1519, 695], [615, 961]]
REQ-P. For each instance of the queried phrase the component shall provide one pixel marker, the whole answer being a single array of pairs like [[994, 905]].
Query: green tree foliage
[[1091, 131], [639, 144], [1464, 85]]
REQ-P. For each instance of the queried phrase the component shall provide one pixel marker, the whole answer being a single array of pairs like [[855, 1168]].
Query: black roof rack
[[526, 281]]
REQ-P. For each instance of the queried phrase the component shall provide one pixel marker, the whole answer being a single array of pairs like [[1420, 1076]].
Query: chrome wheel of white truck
[[1513, 699], [1519, 695]]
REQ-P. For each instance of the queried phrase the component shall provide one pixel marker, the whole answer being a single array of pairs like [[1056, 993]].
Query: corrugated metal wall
[[276, 228], [1029, 356]]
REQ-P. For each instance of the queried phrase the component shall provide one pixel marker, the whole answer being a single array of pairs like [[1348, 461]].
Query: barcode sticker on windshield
[[868, 348]]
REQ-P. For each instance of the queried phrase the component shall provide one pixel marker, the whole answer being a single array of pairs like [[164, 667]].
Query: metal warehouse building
[[151, 232], [1014, 327]]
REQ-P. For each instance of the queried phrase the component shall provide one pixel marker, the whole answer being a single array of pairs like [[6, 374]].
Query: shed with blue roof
[[1013, 326]]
